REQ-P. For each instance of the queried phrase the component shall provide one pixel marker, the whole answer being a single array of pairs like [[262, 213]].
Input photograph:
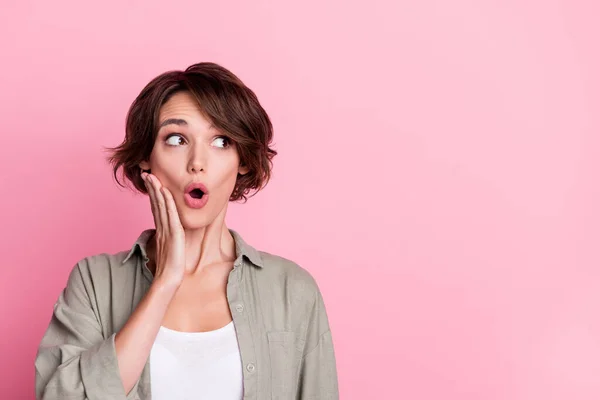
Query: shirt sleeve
[[74, 359], [318, 372]]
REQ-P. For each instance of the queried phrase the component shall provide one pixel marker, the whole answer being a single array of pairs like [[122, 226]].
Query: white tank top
[[196, 365]]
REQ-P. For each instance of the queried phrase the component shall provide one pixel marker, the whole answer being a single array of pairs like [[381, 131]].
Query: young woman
[[190, 311]]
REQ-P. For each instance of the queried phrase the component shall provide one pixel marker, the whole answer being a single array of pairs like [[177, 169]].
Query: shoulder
[[286, 268], [97, 272], [290, 291], [102, 263], [289, 276]]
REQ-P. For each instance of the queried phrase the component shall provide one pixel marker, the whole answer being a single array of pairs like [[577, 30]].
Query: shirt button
[[250, 367], [239, 307]]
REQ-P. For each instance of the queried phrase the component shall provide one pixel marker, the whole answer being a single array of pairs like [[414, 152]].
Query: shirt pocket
[[285, 358]]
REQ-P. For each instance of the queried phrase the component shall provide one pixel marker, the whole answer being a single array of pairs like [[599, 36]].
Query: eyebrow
[[174, 121], [179, 122]]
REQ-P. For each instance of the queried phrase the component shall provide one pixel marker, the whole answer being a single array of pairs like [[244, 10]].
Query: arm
[[75, 361], [318, 372]]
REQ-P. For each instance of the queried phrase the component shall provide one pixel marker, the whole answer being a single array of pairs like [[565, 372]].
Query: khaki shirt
[[278, 312]]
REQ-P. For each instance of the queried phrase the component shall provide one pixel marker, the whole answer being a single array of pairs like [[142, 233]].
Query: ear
[[144, 165], [243, 170]]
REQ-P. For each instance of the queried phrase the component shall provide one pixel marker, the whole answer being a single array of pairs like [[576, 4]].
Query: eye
[[173, 140], [223, 142]]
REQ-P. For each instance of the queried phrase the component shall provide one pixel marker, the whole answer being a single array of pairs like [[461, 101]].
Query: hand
[[170, 235]]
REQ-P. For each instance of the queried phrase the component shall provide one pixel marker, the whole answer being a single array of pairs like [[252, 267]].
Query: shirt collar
[[241, 247]]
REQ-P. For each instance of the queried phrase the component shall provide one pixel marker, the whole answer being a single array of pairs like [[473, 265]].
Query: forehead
[[182, 105]]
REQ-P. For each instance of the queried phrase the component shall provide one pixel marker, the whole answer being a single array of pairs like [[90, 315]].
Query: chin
[[195, 219], [194, 223]]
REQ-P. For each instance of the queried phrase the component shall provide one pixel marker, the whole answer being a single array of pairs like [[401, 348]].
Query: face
[[189, 149]]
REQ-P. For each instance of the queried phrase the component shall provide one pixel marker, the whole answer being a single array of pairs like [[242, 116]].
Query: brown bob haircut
[[230, 106]]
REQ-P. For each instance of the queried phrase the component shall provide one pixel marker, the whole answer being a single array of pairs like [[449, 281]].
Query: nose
[[197, 161]]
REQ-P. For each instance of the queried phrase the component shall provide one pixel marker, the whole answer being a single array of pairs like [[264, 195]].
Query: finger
[[153, 204], [174, 222], [160, 201]]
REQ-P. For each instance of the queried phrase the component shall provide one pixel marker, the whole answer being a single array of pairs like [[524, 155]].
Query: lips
[[197, 186], [196, 195]]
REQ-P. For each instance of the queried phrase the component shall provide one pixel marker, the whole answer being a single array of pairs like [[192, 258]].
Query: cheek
[[227, 183]]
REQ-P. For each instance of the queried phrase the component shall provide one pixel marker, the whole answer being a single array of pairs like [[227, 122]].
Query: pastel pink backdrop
[[437, 174]]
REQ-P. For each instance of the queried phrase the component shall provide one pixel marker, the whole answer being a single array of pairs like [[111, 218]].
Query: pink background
[[438, 175]]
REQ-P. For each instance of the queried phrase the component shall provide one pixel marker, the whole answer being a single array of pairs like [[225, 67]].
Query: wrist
[[165, 285]]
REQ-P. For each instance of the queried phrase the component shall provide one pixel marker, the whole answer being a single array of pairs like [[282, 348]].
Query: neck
[[204, 246]]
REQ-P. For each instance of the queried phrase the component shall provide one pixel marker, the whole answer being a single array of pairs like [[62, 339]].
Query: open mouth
[[197, 194]]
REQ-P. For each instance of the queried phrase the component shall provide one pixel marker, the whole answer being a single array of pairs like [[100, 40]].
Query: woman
[[190, 311]]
